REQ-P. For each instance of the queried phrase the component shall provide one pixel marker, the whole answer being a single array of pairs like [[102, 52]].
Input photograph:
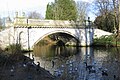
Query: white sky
[[9, 7]]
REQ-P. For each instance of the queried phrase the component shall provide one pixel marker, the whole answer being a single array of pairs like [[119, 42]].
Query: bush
[[105, 41], [14, 48]]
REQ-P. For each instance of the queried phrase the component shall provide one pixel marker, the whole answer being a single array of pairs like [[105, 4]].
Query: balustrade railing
[[45, 23]]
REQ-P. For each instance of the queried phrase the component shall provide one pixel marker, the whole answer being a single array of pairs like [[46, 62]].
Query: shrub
[[105, 40], [14, 48]]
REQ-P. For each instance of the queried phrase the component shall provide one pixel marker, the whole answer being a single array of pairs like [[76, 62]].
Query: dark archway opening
[[59, 39], [57, 45]]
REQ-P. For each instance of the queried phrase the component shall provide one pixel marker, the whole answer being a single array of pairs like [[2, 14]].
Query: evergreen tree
[[62, 10], [49, 11]]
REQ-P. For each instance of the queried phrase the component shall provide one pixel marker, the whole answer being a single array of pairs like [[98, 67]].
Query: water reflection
[[50, 51], [69, 63]]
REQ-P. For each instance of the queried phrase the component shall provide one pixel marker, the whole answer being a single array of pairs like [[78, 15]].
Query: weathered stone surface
[[29, 32]]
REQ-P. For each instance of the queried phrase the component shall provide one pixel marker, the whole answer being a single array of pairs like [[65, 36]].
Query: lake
[[79, 63]]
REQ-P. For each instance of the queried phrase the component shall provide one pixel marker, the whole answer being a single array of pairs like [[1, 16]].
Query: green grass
[[106, 41]]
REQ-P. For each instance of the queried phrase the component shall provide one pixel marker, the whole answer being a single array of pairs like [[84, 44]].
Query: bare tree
[[119, 17], [35, 15], [82, 8], [102, 6], [108, 10], [115, 13]]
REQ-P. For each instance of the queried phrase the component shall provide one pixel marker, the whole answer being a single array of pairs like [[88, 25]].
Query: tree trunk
[[119, 20]]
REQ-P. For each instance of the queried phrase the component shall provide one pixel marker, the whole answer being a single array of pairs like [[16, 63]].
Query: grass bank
[[107, 41]]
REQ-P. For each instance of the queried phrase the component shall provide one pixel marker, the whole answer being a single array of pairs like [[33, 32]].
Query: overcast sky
[[9, 7]]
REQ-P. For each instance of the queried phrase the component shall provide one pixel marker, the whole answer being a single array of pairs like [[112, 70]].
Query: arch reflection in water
[[51, 51], [62, 61], [56, 55], [69, 63]]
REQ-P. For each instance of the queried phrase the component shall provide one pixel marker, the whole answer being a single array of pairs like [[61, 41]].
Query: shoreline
[[20, 67]]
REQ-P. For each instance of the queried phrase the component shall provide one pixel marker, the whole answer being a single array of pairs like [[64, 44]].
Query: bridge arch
[[56, 31]]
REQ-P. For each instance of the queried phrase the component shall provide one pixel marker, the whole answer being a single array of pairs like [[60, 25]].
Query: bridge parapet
[[24, 22]]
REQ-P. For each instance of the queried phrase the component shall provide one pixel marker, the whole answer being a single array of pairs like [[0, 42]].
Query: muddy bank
[[20, 67]]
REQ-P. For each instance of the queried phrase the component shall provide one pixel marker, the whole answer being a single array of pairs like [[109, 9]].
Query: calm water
[[68, 63]]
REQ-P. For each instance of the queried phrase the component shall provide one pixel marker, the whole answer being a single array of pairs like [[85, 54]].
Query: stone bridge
[[28, 32]]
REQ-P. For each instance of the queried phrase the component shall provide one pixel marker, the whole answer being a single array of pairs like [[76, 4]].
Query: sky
[[9, 7]]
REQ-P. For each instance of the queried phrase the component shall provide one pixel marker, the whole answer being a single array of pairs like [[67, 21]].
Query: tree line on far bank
[[106, 12], [67, 10]]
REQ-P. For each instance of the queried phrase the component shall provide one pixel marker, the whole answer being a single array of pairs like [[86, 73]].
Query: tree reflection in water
[[68, 63]]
